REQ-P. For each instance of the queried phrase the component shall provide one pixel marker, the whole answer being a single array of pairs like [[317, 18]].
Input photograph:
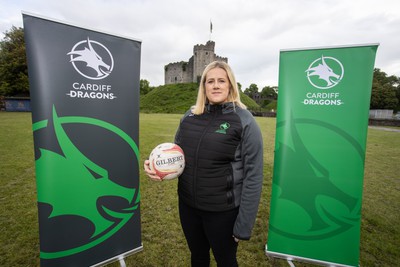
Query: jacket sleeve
[[177, 139], [252, 157]]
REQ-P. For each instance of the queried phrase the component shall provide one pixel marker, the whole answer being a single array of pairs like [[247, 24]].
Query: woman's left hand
[[151, 174]]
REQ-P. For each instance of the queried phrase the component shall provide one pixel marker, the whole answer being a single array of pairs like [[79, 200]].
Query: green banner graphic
[[321, 131], [84, 88]]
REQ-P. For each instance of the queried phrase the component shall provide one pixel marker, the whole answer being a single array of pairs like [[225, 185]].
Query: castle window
[[176, 78], [206, 53]]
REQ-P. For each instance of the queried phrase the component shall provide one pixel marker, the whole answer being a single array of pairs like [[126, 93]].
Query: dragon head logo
[[74, 192], [91, 59], [223, 128], [325, 72], [328, 207]]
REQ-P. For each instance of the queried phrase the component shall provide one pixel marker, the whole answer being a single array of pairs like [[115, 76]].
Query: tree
[[269, 92], [144, 87], [252, 91], [269, 97], [239, 86], [13, 66], [398, 97], [384, 89]]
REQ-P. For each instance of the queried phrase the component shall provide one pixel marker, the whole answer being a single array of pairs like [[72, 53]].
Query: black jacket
[[224, 163]]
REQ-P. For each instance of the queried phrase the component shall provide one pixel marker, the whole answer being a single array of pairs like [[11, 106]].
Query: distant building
[[380, 113], [15, 104], [188, 72]]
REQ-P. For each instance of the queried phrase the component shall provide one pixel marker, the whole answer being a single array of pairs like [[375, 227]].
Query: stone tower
[[188, 72]]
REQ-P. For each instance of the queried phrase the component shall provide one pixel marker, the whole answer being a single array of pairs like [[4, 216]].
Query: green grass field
[[163, 241]]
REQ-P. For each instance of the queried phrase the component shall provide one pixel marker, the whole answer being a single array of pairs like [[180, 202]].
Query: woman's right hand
[[151, 174]]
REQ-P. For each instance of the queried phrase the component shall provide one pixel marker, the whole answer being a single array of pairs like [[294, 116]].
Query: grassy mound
[[177, 98]]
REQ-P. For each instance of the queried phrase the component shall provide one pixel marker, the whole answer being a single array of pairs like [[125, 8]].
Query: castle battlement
[[209, 46], [176, 64], [191, 71]]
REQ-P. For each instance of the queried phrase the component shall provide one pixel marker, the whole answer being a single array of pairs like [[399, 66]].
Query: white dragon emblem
[[92, 59], [324, 72]]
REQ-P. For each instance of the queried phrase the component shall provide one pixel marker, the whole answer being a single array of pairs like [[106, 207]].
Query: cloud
[[249, 33]]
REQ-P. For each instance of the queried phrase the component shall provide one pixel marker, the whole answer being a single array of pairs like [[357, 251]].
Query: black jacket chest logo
[[223, 127]]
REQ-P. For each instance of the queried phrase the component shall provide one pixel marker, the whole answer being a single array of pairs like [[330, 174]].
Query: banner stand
[[120, 258], [319, 155], [291, 258], [84, 88]]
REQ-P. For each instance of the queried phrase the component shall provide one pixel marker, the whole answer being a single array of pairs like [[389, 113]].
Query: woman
[[220, 188]]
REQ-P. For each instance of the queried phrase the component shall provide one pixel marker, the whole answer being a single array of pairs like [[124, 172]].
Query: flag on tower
[[211, 26]]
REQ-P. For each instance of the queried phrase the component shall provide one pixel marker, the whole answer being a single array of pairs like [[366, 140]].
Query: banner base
[[122, 262], [119, 257], [291, 258]]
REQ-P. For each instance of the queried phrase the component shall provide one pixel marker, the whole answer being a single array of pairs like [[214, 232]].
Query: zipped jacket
[[223, 163]]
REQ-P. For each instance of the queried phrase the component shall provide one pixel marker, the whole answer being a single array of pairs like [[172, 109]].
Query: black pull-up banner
[[84, 87]]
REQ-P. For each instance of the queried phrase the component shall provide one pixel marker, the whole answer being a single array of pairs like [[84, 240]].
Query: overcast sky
[[249, 32]]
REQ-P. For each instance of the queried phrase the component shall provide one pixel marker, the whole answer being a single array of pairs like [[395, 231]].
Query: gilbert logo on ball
[[167, 160]]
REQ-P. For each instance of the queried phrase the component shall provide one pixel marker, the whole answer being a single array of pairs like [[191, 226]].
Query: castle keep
[[190, 72]]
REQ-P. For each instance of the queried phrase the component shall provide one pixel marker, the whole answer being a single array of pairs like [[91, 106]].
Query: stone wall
[[384, 122]]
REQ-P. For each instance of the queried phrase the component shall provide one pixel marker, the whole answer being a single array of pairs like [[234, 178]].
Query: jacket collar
[[226, 107]]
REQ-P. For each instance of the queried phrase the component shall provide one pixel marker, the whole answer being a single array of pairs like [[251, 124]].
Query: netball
[[167, 160]]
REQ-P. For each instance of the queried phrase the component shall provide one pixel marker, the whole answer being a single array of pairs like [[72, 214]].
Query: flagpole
[[211, 27]]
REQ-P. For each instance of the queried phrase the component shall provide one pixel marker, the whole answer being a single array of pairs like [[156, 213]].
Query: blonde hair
[[233, 96]]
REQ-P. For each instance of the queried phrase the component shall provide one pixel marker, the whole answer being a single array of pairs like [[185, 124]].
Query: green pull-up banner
[[321, 134]]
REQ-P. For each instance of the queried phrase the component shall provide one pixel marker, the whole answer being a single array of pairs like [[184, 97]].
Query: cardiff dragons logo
[[325, 72], [89, 62], [75, 191]]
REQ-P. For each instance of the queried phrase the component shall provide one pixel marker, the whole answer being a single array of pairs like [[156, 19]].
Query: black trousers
[[204, 230]]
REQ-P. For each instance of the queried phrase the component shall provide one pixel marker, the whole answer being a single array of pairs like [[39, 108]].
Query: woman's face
[[217, 86]]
